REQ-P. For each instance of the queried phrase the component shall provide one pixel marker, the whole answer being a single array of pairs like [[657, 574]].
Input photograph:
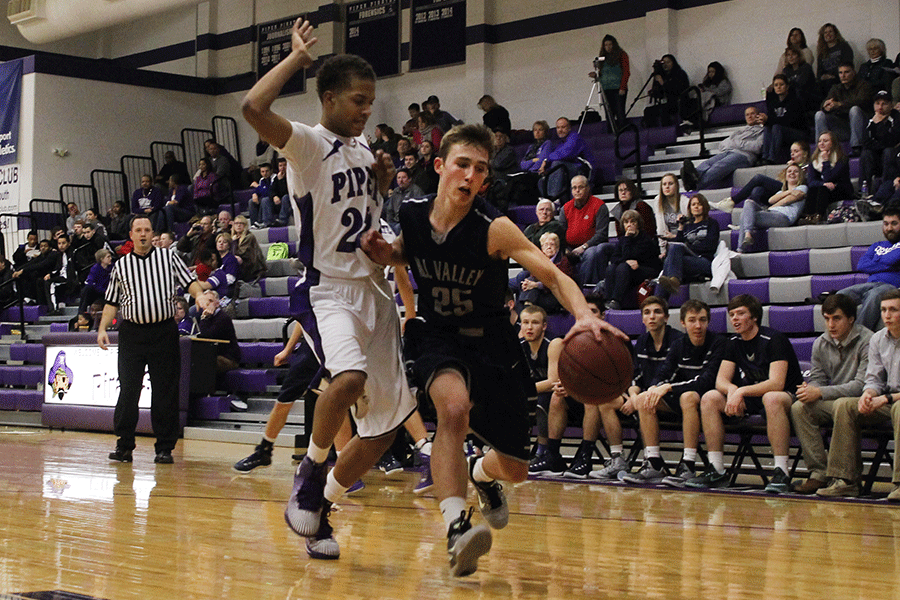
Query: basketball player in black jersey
[[466, 355]]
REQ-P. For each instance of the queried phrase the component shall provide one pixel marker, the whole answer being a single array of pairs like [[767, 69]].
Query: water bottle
[[864, 189]]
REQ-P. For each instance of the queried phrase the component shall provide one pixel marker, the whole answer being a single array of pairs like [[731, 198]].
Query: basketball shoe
[[259, 458], [465, 544], [322, 545], [425, 482], [303, 512], [491, 499]]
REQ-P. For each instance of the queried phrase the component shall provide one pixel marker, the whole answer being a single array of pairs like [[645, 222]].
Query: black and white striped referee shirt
[[143, 286]]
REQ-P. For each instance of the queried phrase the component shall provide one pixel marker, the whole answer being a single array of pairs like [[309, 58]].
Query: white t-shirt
[[335, 199]]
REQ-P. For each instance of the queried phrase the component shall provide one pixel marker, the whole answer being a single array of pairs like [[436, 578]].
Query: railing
[[134, 167], [84, 196], [192, 141], [683, 100], [13, 237], [158, 153], [109, 187], [226, 133], [47, 214], [18, 299], [636, 152]]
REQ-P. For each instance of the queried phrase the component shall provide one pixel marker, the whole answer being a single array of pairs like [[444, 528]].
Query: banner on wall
[[438, 33], [373, 32], [10, 103], [9, 189], [86, 375], [274, 44]]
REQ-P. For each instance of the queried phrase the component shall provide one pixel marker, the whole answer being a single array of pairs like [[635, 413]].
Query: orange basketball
[[595, 372]]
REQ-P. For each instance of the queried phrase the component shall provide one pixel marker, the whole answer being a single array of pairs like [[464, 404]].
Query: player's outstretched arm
[[505, 240], [257, 104], [380, 251]]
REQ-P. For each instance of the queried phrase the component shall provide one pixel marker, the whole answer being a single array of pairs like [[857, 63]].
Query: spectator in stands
[[562, 409], [802, 80], [759, 373], [562, 161], [185, 324], [649, 353], [585, 220], [91, 216], [118, 221], [7, 292], [796, 41], [880, 143], [215, 324], [223, 222], [97, 279], [739, 150], [384, 140], [495, 117], [688, 372], [166, 239], [403, 148], [426, 177], [179, 206], [504, 161], [669, 82], [281, 198], [782, 209], [840, 357], [28, 251], [260, 198], [246, 250], [882, 262], [29, 276], [72, 209], [92, 240], [715, 89], [629, 198], [635, 259], [207, 262], [532, 159], [827, 177], [615, 71], [689, 256], [206, 190], [223, 165], [404, 190], [831, 52], [428, 129], [171, 166], [443, 119], [546, 223], [878, 71], [412, 125], [62, 281], [668, 207], [530, 290], [846, 108], [784, 124], [148, 200], [877, 404], [222, 280], [200, 235]]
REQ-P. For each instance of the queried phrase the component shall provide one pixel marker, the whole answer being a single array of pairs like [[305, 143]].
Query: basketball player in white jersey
[[337, 188]]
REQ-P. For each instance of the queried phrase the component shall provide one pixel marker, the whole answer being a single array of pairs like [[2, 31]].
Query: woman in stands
[[246, 250], [831, 52], [532, 291], [615, 69], [715, 89], [635, 259], [801, 79], [668, 207], [828, 178], [769, 185], [428, 130], [875, 71], [669, 81], [222, 280], [781, 210], [785, 120], [796, 40], [205, 192], [531, 162], [690, 255]]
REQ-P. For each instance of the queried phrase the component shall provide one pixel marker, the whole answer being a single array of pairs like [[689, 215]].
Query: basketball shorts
[[304, 373], [496, 376], [352, 325]]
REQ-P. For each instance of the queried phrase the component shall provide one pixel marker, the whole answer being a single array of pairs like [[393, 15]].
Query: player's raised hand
[[590, 322], [302, 40], [384, 171]]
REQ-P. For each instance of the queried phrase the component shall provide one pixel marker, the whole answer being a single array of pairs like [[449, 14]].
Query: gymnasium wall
[[535, 62]]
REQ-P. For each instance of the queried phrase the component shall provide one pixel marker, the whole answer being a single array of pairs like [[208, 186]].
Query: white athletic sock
[[478, 473], [424, 446], [616, 449], [717, 460], [781, 462], [690, 454], [333, 489], [451, 508], [316, 454], [651, 452], [268, 439]]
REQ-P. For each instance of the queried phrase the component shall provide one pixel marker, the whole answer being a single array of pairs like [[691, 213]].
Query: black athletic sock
[[554, 445], [657, 463], [266, 446]]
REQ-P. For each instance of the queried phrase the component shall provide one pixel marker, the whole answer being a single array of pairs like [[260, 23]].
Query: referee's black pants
[[155, 347]]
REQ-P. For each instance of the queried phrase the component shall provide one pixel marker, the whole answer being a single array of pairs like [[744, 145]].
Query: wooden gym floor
[[72, 521]]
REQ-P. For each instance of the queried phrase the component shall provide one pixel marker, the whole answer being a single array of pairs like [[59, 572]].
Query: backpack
[[277, 251]]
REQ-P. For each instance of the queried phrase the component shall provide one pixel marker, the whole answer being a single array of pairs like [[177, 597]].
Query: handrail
[[701, 123], [629, 126]]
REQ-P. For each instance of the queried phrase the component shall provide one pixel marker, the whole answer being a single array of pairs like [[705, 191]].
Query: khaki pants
[[845, 456], [808, 420]]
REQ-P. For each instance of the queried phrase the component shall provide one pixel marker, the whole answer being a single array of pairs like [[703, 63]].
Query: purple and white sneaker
[[304, 508]]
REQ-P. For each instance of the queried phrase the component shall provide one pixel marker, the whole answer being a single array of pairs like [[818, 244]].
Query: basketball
[[595, 372]]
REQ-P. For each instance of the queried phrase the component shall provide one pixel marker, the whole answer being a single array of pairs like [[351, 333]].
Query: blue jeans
[[685, 266], [559, 181], [880, 162], [868, 295], [777, 137], [282, 208], [176, 214], [755, 216], [760, 188], [852, 124], [593, 263], [264, 206], [720, 166]]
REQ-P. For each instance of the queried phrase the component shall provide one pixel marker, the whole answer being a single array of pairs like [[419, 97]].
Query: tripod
[[602, 104]]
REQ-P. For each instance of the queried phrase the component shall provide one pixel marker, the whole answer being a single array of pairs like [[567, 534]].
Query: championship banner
[[438, 33], [273, 44], [10, 102], [373, 32]]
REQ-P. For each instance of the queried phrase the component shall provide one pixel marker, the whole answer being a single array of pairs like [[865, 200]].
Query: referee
[[143, 284]]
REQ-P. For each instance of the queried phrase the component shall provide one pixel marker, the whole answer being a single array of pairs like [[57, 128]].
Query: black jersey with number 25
[[459, 284]]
